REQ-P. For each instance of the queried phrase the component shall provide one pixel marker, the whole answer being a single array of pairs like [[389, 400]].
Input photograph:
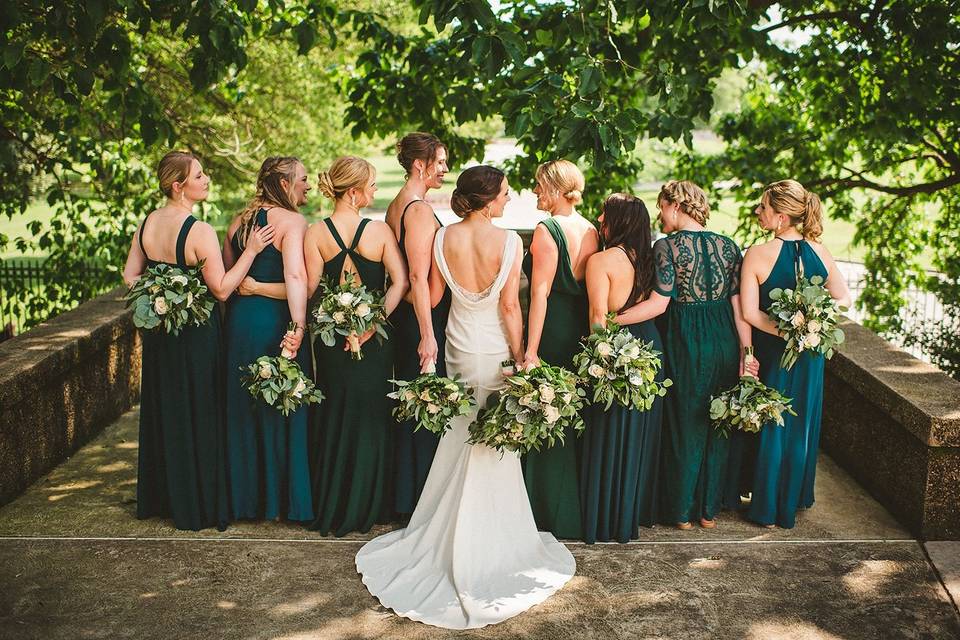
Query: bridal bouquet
[[171, 298], [350, 310], [807, 316], [280, 381], [748, 406], [432, 401], [531, 411], [620, 367]]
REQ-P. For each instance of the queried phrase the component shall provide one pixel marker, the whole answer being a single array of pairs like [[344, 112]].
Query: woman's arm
[[644, 310], [136, 261], [598, 290], [745, 336], [510, 308], [221, 282], [250, 287], [545, 257], [748, 309], [295, 277], [312, 258], [420, 228]]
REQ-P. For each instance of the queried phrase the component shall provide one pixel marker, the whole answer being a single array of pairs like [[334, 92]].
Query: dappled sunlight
[[114, 466], [147, 596], [788, 630], [180, 583], [870, 576], [366, 624], [59, 496], [127, 445], [226, 605], [312, 601], [712, 562], [74, 486]]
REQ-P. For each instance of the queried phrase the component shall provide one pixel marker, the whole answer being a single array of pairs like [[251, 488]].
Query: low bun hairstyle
[[691, 199], [417, 146], [565, 177], [476, 188], [789, 198], [346, 172], [626, 224], [174, 167]]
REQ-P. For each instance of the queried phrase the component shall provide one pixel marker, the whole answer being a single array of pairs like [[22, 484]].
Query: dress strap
[[356, 236], [182, 240], [564, 260], [336, 234], [143, 225], [403, 227]]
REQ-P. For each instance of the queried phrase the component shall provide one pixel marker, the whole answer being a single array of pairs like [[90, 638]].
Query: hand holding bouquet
[[280, 382], [748, 406], [171, 298], [807, 316], [620, 367], [432, 401], [350, 310], [531, 411]]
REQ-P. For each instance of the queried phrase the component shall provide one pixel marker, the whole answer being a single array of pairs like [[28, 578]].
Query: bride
[[471, 555]]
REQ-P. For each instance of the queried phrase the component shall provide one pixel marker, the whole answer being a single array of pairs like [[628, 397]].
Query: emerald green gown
[[700, 272], [413, 450], [786, 461], [354, 428], [551, 475], [267, 452], [181, 469]]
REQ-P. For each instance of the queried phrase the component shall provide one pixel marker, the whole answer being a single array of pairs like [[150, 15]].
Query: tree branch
[[810, 17], [841, 184]]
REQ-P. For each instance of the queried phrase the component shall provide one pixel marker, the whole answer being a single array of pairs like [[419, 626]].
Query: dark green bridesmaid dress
[[351, 464], [413, 451], [267, 451], [700, 272], [551, 474], [786, 461], [182, 472]]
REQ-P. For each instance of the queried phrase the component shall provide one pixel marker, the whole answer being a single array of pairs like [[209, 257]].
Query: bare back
[[582, 242], [159, 232], [473, 254]]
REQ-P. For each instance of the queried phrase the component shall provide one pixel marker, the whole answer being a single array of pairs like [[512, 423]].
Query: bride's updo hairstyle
[[344, 174], [789, 198], [476, 188], [565, 177], [689, 197], [626, 223], [417, 146], [174, 167]]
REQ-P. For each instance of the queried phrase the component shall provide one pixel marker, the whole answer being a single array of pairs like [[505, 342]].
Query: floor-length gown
[[413, 450], [353, 426], [471, 555], [181, 473], [267, 451], [786, 461], [551, 475], [699, 271]]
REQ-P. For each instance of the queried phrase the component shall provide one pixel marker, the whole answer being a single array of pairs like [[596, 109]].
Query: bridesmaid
[[267, 452], [351, 470], [557, 320], [621, 447], [181, 471], [697, 285], [418, 329], [787, 457]]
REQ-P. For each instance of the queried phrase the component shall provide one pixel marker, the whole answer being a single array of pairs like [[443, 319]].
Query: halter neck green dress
[[700, 272], [786, 462], [551, 475], [269, 467], [354, 428], [181, 469], [413, 450]]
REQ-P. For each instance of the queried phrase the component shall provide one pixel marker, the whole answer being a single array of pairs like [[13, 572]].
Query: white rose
[[635, 379], [339, 317], [527, 400], [265, 371], [813, 340], [425, 395], [362, 310], [551, 413], [160, 306], [567, 398], [596, 371], [546, 393], [409, 395], [345, 298], [432, 408], [299, 389], [604, 349], [631, 351], [798, 319], [814, 326], [181, 280], [453, 397]]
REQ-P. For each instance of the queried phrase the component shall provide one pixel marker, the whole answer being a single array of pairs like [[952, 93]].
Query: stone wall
[[60, 384], [893, 422]]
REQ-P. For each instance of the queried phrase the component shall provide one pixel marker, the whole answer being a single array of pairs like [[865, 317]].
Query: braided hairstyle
[[344, 174], [626, 223], [691, 199], [788, 197], [270, 191]]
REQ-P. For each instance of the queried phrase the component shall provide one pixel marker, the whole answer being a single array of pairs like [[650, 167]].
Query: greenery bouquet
[[432, 401], [170, 298], [748, 406], [280, 381], [807, 316], [620, 367], [531, 411], [350, 310]]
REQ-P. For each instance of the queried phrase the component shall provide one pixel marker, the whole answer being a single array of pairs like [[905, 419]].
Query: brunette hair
[[345, 173], [417, 146], [270, 191], [476, 188], [174, 167], [691, 199], [801, 206], [626, 224]]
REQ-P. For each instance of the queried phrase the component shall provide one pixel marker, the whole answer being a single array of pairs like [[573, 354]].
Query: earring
[[779, 223], [353, 201], [421, 173]]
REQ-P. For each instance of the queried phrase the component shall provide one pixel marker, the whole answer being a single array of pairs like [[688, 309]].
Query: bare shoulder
[[419, 209]]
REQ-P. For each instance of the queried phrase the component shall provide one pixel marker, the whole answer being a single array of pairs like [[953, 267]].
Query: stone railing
[[61, 383], [893, 422]]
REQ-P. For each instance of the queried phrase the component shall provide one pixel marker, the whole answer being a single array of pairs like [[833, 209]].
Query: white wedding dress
[[471, 555]]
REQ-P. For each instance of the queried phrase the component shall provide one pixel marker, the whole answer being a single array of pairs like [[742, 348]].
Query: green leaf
[[589, 81], [306, 35]]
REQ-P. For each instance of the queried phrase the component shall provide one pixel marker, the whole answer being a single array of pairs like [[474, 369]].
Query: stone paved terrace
[[75, 563]]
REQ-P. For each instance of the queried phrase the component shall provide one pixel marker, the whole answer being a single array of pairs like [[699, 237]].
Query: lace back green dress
[[181, 469], [700, 272], [551, 475], [354, 428]]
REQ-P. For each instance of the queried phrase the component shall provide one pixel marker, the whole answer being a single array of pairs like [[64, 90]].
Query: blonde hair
[[691, 199], [174, 167], [344, 174], [270, 191], [788, 197], [565, 177]]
